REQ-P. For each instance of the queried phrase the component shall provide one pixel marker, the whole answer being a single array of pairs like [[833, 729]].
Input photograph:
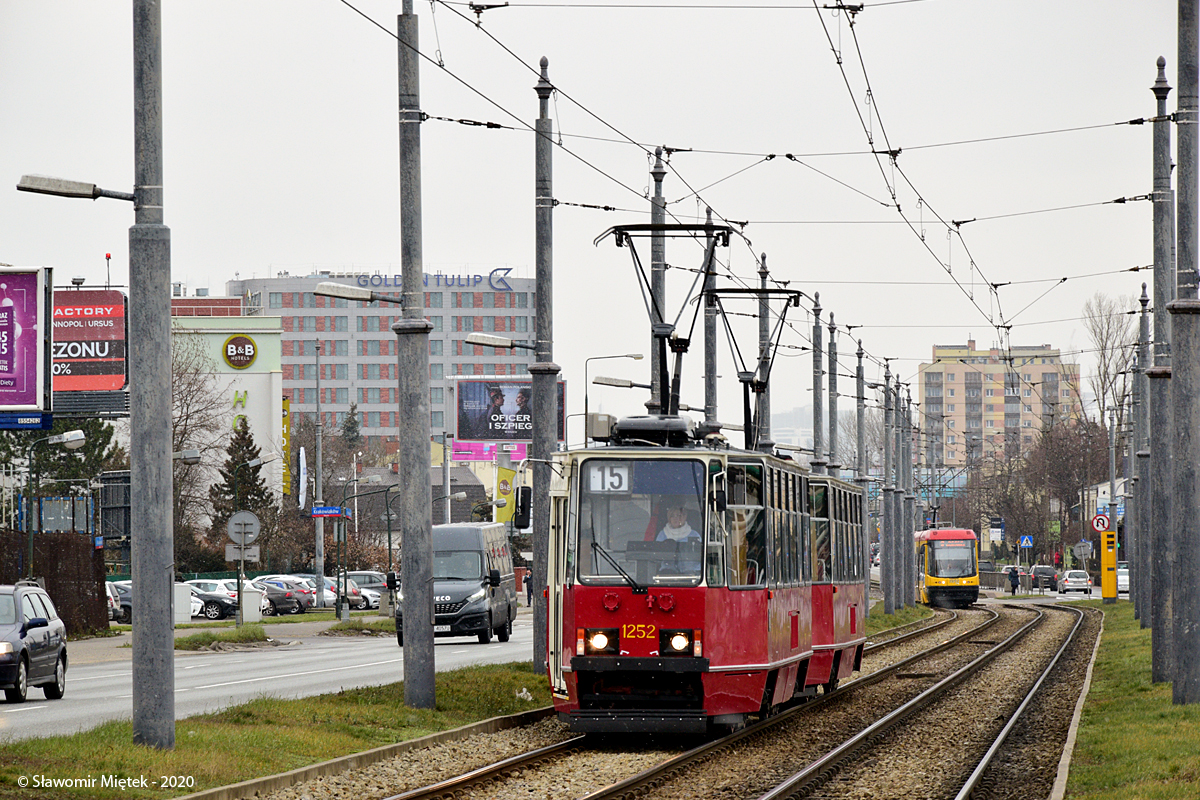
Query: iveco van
[[474, 588]]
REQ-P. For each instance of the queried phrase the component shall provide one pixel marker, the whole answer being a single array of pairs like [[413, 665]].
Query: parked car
[[112, 601], [216, 605], [278, 599], [371, 597], [1043, 576], [302, 589], [227, 586], [1076, 580], [33, 643], [1122, 579], [330, 596], [369, 579], [124, 591]]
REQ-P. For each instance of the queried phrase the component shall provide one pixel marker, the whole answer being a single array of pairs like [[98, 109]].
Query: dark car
[[216, 605], [1042, 576], [33, 643], [124, 592], [280, 599], [301, 589]]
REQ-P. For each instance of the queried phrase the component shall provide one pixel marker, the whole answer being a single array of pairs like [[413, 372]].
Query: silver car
[[1076, 580]]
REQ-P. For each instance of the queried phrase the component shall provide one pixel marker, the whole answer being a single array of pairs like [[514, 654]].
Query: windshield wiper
[[632, 583]]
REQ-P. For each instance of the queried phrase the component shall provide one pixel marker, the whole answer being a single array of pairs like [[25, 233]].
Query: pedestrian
[[528, 590], [1014, 579]]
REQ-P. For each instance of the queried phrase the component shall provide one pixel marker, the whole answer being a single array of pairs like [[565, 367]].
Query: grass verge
[[358, 626], [243, 635], [879, 621], [263, 737], [1133, 743]]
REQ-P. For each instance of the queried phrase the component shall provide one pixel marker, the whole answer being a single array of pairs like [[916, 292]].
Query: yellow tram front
[[947, 567]]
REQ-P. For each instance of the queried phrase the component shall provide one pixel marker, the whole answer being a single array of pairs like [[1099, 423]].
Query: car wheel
[[212, 610], [20, 689], [126, 615], [485, 635], [269, 611], [54, 691], [400, 638], [505, 631]]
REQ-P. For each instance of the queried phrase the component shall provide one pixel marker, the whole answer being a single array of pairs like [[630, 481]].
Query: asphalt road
[[100, 681]]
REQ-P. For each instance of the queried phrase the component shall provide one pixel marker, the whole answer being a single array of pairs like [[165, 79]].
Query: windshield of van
[[457, 565], [952, 559]]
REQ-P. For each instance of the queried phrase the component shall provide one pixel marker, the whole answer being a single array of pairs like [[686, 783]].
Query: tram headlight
[[597, 641], [679, 642]]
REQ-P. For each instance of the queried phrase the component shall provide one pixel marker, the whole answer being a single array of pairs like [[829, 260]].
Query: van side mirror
[[520, 518], [494, 577], [719, 501], [392, 581]]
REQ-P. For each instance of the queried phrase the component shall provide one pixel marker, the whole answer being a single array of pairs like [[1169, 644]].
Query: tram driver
[[687, 540]]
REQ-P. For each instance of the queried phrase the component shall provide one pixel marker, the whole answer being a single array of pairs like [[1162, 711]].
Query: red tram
[[692, 585]]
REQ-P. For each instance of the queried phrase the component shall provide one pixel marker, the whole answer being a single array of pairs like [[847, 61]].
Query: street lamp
[[586, 361], [72, 440], [502, 342], [478, 508]]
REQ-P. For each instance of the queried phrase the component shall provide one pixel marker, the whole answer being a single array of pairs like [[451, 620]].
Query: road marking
[[297, 674], [25, 708]]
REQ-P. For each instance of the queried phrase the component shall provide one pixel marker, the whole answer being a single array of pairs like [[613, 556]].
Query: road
[[209, 681]]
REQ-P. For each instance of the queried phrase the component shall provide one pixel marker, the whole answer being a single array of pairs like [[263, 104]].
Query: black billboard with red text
[[89, 340]]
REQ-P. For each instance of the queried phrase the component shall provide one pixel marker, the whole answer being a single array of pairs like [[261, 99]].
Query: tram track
[[733, 767]]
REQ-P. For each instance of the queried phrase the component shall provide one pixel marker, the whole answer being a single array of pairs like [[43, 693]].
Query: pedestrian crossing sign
[[1026, 541]]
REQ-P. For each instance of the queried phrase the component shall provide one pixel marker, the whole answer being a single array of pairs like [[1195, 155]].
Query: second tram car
[[692, 585], [947, 567]]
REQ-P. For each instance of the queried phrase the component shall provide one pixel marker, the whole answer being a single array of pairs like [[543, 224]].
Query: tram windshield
[[952, 558], [640, 522]]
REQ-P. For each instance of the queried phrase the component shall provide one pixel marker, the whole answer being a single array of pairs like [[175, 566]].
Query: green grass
[[358, 625], [266, 736], [879, 621], [243, 635], [1133, 743]]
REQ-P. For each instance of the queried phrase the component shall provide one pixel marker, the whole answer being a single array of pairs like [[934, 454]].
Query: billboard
[[89, 340], [24, 338], [500, 410]]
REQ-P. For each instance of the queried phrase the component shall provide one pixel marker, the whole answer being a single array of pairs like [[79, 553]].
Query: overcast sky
[[280, 142]]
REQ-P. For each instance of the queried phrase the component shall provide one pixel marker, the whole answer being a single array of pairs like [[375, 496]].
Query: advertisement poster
[[89, 340], [499, 410], [22, 349]]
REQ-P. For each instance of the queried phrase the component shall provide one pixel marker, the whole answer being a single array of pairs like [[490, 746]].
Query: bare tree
[[1110, 325]]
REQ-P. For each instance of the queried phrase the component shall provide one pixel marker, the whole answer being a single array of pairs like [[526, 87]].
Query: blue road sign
[[1026, 541], [326, 511]]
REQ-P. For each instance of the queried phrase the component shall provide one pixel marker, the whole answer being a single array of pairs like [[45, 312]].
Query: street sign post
[[243, 529]]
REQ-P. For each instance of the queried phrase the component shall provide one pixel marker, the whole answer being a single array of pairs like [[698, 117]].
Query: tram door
[[561, 558]]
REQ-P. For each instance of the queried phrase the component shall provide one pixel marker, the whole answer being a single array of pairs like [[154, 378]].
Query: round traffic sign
[[1100, 523], [244, 527]]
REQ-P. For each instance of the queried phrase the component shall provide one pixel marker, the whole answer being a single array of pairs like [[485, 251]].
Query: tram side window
[[747, 529], [714, 558], [820, 533]]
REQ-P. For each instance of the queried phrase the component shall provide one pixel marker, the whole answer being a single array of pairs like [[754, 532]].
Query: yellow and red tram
[[947, 567]]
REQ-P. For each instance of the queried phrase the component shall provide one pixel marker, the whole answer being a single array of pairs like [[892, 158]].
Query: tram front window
[[641, 521], [950, 559]]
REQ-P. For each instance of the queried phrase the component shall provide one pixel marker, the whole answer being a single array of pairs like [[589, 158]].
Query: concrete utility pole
[[710, 329], [763, 412], [888, 546], [1158, 378], [908, 587], [1139, 558], [153, 548], [412, 356], [319, 496], [833, 411], [863, 472], [818, 462], [1112, 483], [658, 277], [1185, 382], [545, 371]]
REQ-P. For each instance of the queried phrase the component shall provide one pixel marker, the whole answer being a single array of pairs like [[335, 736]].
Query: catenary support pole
[[834, 466], [887, 563], [153, 548], [412, 356], [1139, 564], [763, 414], [1185, 380], [545, 371], [1159, 379], [910, 556], [863, 472], [818, 460], [658, 275], [319, 495], [710, 331]]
